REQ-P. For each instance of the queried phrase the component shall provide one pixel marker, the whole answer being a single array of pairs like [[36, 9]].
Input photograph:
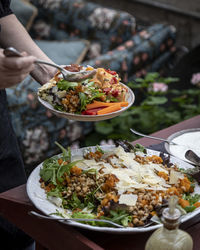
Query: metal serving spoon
[[152, 137], [191, 156], [40, 216], [67, 75]]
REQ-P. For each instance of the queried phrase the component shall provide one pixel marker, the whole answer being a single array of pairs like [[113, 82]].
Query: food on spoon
[[89, 92], [127, 187]]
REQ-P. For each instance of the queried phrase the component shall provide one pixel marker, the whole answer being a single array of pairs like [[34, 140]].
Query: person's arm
[[13, 34]]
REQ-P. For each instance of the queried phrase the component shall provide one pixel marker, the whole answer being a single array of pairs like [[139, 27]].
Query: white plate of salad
[[124, 184], [93, 96]]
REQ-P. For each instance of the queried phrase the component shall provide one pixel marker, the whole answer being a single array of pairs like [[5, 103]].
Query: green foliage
[[151, 111]]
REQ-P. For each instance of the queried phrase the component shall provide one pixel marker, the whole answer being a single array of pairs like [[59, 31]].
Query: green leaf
[[192, 198], [84, 101], [66, 153], [65, 169], [98, 148], [154, 100], [170, 79], [151, 77], [189, 208], [59, 107], [75, 202], [65, 85], [140, 148]]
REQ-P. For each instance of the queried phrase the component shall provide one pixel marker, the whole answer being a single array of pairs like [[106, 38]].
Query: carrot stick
[[123, 104], [97, 104], [109, 109]]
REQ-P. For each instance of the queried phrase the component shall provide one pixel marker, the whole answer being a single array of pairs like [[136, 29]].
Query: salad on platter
[[125, 185], [94, 92]]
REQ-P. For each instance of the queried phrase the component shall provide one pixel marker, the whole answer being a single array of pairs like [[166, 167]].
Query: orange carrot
[[184, 203], [197, 204], [109, 109], [123, 104], [97, 104]]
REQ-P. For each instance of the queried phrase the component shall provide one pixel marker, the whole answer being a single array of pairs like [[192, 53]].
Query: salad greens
[[65, 85], [61, 177]]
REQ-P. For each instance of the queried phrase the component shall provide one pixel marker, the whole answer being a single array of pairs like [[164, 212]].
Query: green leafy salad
[[114, 185]]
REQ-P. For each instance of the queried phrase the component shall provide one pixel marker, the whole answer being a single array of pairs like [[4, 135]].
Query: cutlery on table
[[193, 157], [153, 137], [40, 216]]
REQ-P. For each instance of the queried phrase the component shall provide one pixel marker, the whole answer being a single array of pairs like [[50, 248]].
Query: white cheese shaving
[[128, 199], [175, 176]]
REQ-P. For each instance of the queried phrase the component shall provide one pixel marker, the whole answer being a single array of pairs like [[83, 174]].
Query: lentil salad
[[107, 185]]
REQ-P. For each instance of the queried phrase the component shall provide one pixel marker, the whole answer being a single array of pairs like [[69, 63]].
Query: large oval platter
[[38, 198]]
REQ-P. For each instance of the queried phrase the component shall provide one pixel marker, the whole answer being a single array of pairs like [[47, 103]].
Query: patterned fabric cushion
[[37, 128], [138, 52], [24, 11], [79, 18], [65, 52]]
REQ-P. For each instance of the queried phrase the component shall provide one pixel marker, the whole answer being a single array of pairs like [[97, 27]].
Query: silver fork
[[40, 216]]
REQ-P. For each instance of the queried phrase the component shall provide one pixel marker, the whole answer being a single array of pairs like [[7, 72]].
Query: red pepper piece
[[115, 93], [110, 72], [91, 111], [113, 80]]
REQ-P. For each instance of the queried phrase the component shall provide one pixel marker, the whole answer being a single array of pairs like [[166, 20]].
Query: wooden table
[[15, 204]]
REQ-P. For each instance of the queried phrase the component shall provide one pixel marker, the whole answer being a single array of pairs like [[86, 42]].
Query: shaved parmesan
[[175, 176], [128, 199]]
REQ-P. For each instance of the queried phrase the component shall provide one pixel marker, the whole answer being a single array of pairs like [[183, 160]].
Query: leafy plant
[[156, 107]]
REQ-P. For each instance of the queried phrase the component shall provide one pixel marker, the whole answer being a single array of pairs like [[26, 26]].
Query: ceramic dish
[[38, 197], [130, 98], [187, 139]]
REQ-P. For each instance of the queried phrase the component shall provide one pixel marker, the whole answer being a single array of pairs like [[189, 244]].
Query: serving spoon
[[67, 75], [193, 157], [40, 216]]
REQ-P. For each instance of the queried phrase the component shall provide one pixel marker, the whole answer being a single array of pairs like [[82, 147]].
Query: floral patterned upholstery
[[103, 26], [116, 43], [37, 128]]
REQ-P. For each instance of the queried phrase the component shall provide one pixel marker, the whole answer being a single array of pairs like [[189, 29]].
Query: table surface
[[15, 205]]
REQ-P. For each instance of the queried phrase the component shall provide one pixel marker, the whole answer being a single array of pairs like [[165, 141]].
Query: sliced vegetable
[[110, 109], [91, 111], [97, 104]]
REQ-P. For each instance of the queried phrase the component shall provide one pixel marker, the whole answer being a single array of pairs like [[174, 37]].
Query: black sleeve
[[5, 8]]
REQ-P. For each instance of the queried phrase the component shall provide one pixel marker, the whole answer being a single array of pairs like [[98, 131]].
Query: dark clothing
[[5, 8], [11, 165], [12, 172]]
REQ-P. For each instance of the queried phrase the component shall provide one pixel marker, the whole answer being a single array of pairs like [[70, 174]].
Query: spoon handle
[[152, 137], [11, 52]]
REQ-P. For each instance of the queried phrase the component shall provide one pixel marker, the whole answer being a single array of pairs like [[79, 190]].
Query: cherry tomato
[[113, 80], [110, 72], [115, 93], [107, 90]]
